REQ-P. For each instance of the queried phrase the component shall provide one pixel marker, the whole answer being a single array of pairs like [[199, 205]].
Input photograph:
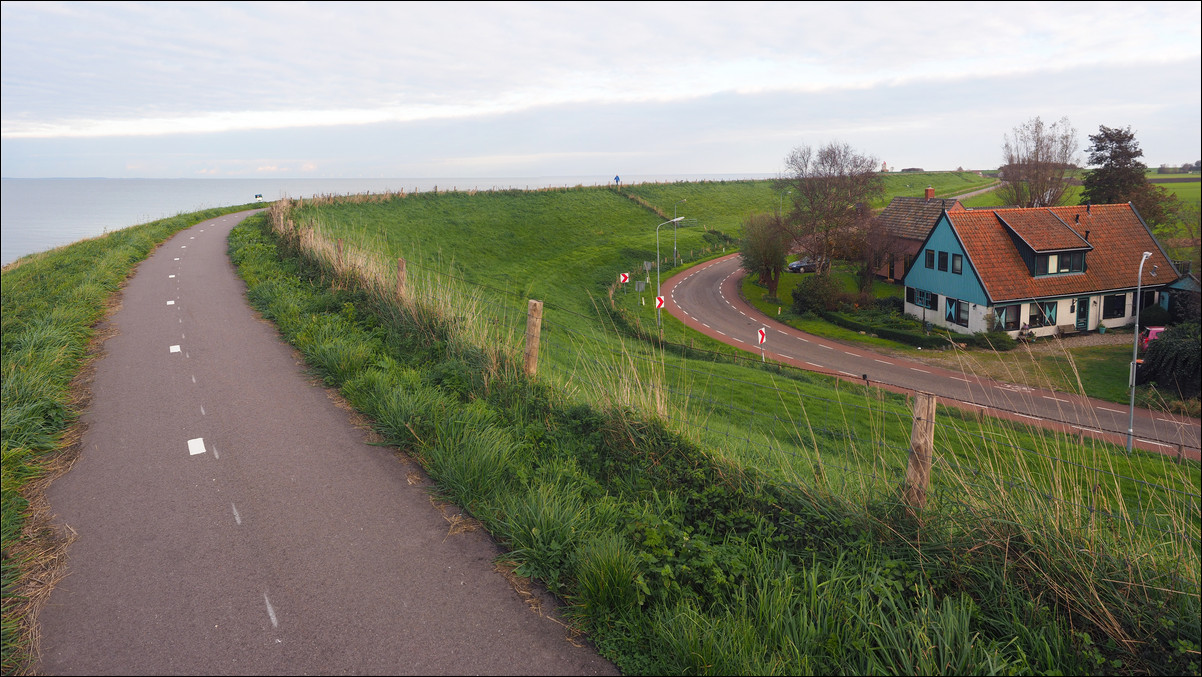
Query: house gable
[[945, 253]]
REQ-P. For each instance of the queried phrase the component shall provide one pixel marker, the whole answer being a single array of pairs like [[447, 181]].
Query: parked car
[[803, 266], [1148, 335]]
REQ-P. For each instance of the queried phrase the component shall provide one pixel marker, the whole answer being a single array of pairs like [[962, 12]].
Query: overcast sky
[[429, 89]]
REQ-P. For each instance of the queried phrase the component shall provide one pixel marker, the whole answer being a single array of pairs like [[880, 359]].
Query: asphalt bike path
[[706, 297], [229, 518]]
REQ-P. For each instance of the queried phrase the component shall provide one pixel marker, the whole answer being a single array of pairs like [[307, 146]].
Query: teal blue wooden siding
[[966, 286]]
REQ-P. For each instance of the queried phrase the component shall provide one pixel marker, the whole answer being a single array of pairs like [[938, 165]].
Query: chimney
[[930, 193]]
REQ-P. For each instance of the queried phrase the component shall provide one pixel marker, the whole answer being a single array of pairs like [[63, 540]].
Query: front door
[[1083, 313]]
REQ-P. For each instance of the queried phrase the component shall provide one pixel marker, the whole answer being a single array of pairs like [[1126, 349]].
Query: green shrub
[[816, 293], [1173, 360], [992, 340], [1153, 316], [912, 338]]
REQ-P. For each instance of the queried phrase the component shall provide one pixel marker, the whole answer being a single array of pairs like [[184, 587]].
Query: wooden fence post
[[922, 446], [534, 324], [400, 279]]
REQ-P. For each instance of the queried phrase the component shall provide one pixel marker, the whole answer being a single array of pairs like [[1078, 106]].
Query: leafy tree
[[831, 190], [1174, 360], [1038, 162], [1119, 173], [764, 248], [1120, 177]]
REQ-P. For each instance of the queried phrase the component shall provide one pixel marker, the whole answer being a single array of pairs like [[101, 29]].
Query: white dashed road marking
[[196, 446]]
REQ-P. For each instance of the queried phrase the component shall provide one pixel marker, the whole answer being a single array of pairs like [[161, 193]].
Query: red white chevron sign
[[624, 278], [763, 336], [659, 302]]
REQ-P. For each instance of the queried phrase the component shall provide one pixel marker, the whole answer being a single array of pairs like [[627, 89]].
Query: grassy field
[[792, 429]]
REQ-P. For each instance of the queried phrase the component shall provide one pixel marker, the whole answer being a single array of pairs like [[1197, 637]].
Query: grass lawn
[[1095, 371]]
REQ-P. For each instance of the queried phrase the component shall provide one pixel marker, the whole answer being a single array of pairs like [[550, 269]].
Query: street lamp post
[[683, 199], [1135, 348], [658, 315]]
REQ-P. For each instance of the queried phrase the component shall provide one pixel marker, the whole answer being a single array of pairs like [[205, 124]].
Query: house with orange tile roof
[[908, 221], [1053, 270]]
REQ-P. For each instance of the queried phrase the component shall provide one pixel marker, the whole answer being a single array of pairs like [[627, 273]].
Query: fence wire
[[856, 444]]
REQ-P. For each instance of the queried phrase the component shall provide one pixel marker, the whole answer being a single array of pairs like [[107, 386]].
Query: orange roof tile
[[1115, 232]]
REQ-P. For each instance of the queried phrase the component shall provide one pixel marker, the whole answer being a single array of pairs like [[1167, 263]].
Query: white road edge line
[[1159, 444]]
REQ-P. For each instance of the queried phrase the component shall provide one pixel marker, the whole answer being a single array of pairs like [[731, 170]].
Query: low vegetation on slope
[[678, 559]]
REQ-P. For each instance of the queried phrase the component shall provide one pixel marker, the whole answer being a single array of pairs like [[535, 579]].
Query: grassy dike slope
[[676, 558], [49, 306]]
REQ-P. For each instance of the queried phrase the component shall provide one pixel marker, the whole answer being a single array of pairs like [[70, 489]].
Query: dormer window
[[1055, 264]]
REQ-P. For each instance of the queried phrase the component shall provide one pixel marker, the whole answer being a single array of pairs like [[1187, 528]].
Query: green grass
[[1190, 192], [49, 304], [782, 550], [699, 511]]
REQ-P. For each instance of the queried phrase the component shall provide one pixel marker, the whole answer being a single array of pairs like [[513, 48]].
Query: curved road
[[706, 297], [231, 520]]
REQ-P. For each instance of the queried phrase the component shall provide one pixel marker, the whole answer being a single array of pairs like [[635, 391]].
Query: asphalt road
[[232, 520], [706, 298]]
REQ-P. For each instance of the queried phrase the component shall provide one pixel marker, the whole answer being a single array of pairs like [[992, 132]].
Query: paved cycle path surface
[[231, 520]]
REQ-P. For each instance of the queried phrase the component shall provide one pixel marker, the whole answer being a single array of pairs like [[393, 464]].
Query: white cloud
[[81, 70], [523, 85]]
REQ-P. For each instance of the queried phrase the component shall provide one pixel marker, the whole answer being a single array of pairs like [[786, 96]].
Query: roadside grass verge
[[49, 307], [677, 557]]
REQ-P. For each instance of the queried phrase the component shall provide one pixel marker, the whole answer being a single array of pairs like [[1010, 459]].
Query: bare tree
[[832, 188], [764, 249], [874, 245], [1038, 163]]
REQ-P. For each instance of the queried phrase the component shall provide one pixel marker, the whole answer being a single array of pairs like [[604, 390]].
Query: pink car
[[1149, 334]]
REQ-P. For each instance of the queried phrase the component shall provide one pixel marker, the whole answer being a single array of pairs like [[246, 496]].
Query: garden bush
[[1174, 360], [816, 293]]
